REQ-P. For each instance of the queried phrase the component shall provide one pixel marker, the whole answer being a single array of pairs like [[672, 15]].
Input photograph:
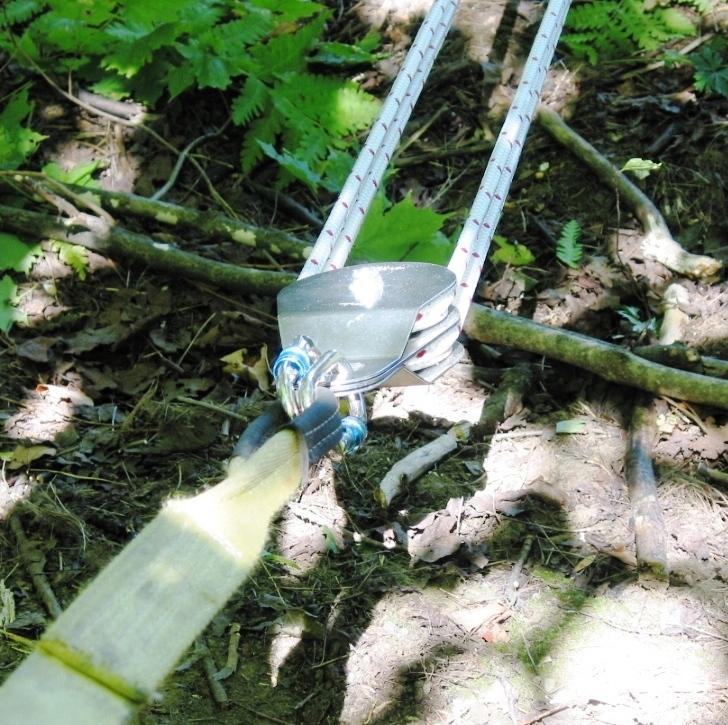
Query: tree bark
[[610, 362], [117, 241]]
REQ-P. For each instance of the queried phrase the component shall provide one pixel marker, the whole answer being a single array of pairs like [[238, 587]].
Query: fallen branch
[[205, 223], [658, 243], [506, 400], [684, 358], [489, 326], [87, 231], [649, 524], [608, 361]]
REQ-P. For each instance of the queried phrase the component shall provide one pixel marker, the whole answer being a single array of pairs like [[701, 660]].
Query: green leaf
[[568, 249], [81, 175], [75, 256], [15, 254], [342, 54], [137, 46], [17, 143], [641, 168], [297, 168], [330, 539], [250, 102], [394, 234], [633, 316], [570, 426], [8, 298], [517, 255]]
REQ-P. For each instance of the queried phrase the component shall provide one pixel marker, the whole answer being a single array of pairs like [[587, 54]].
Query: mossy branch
[[608, 361], [90, 232], [658, 243]]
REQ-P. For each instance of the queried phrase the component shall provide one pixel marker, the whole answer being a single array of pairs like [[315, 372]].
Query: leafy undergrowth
[[98, 427]]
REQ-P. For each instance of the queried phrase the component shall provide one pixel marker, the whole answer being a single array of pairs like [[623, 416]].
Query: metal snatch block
[[367, 313]]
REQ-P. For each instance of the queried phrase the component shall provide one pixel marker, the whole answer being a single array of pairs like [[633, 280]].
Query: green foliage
[[8, 298], [81, 175], [75, 256], [710, 64], [633, 317], [568, 247], [402, 231], [259, 50], [604, 29], [641, 168], [516, 255], [15, 254], [17, 142]]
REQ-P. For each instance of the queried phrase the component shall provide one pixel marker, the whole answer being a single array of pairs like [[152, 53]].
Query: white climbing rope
[[477, 233], [339, 233], [432, 346]]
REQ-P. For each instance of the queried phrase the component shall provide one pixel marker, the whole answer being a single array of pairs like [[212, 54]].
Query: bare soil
[[533, 615]]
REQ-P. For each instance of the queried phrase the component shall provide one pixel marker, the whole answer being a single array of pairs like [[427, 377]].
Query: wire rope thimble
[[355, 432], [290, 369]]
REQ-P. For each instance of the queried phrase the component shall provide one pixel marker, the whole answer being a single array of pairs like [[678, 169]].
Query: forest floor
[[544, 619]]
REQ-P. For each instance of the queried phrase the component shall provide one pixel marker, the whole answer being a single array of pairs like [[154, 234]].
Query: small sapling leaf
[[570, 426], [641, 168]]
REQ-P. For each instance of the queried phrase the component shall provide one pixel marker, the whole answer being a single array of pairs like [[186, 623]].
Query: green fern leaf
[[230, 39], [17, 143], [251, 101], [568, 248], [286, 53], [136, 46], [20, 11], [75, 256], [264, 129]]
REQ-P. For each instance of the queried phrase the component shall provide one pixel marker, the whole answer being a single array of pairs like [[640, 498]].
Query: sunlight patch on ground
[[639, 658]]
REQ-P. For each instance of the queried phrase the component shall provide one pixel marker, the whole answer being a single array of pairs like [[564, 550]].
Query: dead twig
[[420, 460], [658, 243], [217, 689], [713, 474], [649, 524], [34, 559], [546, 713]]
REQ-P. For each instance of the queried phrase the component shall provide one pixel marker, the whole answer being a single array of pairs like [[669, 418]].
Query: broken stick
[[649, 524]]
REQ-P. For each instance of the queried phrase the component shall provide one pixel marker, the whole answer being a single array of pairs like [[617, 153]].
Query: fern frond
[[568, 248], [251, 101], [231, 39], [614, 28], [20, 11], [264, 129], [286, 53]]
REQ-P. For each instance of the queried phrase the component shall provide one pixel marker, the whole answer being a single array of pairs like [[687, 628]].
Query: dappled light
[[537, 536]]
